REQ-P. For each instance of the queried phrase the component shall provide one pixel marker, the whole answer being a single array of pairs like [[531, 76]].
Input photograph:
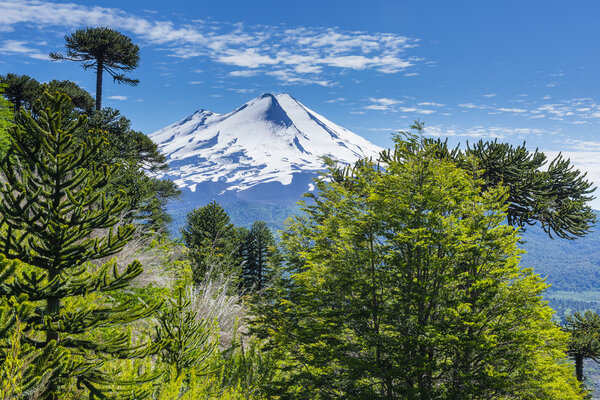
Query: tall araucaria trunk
[[99, 69]]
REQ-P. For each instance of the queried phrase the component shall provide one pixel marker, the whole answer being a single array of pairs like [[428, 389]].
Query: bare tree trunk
[[579, 366], [99, 69]]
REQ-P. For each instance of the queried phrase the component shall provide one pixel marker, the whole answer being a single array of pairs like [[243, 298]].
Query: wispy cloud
[[393, 105], [431, 104], [292, 55], [12, 47], [244, 73], [483, 132], [118, 97]]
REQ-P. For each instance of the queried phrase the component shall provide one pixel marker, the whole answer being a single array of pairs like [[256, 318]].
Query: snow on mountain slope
[[272, 138]]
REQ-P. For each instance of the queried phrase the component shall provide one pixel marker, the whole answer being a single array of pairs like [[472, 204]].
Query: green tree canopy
[[405, 283], [585, 339], [102, 49], [257, 247], [6, 121], [211, 240], [21, 90], [555, 194], [56, 216]]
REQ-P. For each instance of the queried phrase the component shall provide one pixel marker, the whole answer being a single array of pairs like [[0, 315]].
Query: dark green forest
[[398, 278]]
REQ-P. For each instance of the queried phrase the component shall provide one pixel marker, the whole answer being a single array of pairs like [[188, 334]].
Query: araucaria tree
[[257, 245], [212, 242], [405, 283], [102, 49], [56, 217]]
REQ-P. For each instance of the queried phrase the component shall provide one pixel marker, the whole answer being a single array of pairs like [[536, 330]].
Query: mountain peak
[[269, 139]]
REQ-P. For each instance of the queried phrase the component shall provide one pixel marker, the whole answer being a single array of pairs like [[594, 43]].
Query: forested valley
[[399, 279]]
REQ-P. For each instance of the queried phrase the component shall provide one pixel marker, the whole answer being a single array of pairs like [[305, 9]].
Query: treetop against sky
[[513, 71]]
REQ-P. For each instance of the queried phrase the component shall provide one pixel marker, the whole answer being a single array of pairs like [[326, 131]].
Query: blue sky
[[513, 70]]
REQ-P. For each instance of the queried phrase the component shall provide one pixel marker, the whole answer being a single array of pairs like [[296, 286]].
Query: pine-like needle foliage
[[257, 246], [585, 339], [212, 242], [102, 49], [555, 194], [187, 341], [56, 217]]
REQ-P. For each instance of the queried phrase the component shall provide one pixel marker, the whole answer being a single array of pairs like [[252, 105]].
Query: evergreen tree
[[405, 283], [82, 101], [585, 339], [21, 90], [556, 197], [102, 49], [138, 155], [6, 121], [257, 244], [188, 342], [211, 240], [55, 216]]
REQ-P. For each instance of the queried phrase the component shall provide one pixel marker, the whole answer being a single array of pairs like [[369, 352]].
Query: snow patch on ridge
[[265, 140]]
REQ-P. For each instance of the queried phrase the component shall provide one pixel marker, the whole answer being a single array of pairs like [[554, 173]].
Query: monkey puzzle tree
[[257, 245], [585, 339], [56, 217], [212, 241], [556, 196], [102, 49], [21, 90]]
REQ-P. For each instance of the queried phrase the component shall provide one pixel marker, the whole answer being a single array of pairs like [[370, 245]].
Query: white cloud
[[415, 110], [250, 58], [431, 104], [294, 56], [512, 110], [483, 132], [118, 97], [384, 101], [471, 105], [244, 73], [490, 95], [11, 47], [385, 104], [243, 91], [196, 82], [289, 78], [336, 100]]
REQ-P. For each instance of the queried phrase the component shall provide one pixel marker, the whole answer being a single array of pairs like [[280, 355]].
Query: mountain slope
[[272, 139]]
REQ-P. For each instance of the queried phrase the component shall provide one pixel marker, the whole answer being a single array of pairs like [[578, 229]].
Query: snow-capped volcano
[[272, 138]]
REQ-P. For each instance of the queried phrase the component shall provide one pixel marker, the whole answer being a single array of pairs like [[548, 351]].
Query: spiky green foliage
[[21, 90], [405, 283], [585, 339], [257, 247], [147, 195], [102, 49], [187, 340], [56, 217], [555, 195], [6, 121], [211, 240], [25, 372]]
